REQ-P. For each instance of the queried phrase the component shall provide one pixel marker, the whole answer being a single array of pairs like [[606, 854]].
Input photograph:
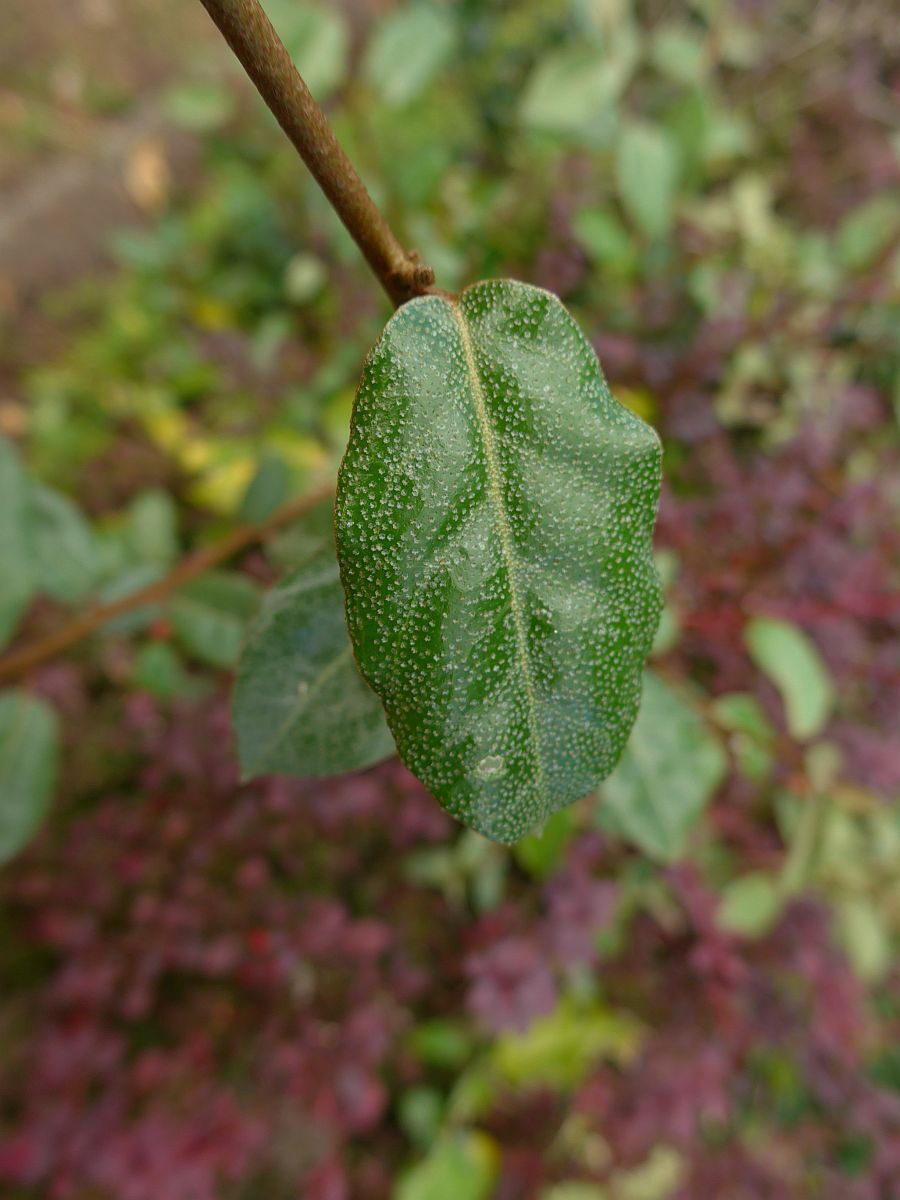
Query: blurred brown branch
[[19, 662]]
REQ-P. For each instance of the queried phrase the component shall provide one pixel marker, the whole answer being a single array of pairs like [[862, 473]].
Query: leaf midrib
[[507, 550]]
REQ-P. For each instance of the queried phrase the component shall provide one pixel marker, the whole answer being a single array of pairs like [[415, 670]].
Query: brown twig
[[263, 56], [20, 662]]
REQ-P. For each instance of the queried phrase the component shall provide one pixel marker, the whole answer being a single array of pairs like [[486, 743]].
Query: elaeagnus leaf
[[29, 748], [300, 705], [494, 519]]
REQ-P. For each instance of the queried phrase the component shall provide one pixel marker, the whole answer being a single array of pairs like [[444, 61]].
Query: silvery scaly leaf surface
[[494, 521]]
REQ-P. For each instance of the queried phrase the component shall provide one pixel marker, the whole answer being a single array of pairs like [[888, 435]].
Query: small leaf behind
[[300, 704], [666, 777], [408, 50], [28, 754], [67, 560], [646, 174], [17, 583], [793, 663], [210, 614]]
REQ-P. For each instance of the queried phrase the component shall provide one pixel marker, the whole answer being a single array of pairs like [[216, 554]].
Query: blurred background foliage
[[686, 987]]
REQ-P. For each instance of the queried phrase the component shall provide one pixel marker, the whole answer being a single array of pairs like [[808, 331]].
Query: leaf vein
[[507, 550]]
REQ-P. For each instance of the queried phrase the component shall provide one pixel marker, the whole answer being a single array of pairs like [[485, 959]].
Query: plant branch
[[263, 56], [20, 662]]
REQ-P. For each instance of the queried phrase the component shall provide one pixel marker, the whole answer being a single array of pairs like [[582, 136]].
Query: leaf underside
[[668, 774], [28, 754], [494, 520], [300, 705]]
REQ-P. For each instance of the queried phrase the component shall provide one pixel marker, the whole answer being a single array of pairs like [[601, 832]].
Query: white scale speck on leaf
[[494, 523]]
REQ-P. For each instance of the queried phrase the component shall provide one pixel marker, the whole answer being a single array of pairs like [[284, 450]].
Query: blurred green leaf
[[864, 936], [668, 631], [752, 734], [420, 1112], [304, 278], [646, 176], [151, 527], [267, 490], [130, 579], [575, 1190], [562, 1048], [791, 660], [407, 51], [29, 751], [657, 1178], [317, 40], [305, 539], [574, 90], [17, 576], [441, 1043], [199, 105], [741, 712], [541, 853], [671, 767], [300, 704], [67, 558], [866, 232], [680, 52], [210, 615], [606, 240], [750, 904], [159, 670], [461, 1166]]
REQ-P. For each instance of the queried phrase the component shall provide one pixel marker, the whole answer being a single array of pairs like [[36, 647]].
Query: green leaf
[[867, 231], [667, 775], [646, 176], [441, 1043], [865, 938], [17, 582], [573, 90], [791, 660], [28, 762], [210, 615], [420, 1112], [750, 904], [494, 517], [266, 490], [159, 670], [199, 105], [680, 52], [151, 530], [305, 539], [574, 1189], [317, 40], [300, 705], [131, 579], [606, 240], [541, 853], [408, 50], [752, 735], [559, 1050], [461, 1166], [67, 558]]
